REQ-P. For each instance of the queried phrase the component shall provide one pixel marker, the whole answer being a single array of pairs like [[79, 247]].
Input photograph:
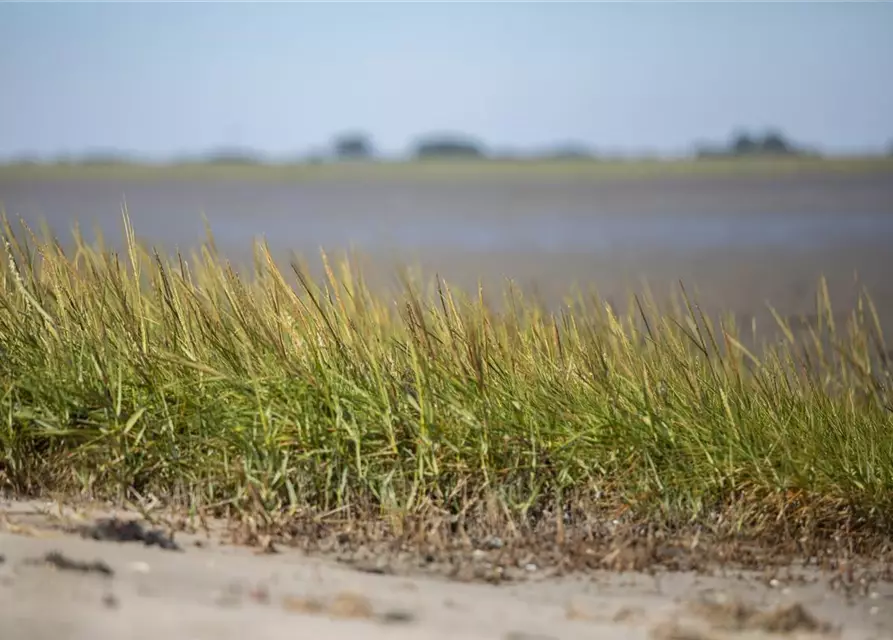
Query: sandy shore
[[55, 583]]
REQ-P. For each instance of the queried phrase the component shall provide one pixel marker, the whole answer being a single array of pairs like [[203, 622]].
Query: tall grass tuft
[[136, 373]]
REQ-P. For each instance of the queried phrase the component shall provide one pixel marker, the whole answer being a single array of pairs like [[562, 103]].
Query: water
[[545, 217], [554, 234], [740, 241]]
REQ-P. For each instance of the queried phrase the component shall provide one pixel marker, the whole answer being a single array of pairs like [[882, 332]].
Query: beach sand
[[58, 584]]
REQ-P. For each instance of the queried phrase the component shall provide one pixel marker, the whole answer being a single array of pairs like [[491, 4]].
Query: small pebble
[[494, 542], [397, 617]]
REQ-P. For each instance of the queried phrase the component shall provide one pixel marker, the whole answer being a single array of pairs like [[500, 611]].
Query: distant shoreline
[[446, 169]]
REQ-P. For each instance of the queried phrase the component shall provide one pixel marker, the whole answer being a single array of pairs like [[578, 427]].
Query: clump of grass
[[136, 373]]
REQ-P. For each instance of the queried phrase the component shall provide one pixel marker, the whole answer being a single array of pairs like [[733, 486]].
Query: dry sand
[[56, 584]]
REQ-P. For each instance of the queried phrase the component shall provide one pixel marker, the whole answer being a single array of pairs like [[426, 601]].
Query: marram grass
[[136, 374]]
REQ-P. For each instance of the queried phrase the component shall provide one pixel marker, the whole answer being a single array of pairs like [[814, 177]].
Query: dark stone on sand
[[115, 530]]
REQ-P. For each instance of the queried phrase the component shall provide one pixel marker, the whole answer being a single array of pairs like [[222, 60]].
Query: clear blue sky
[[170, 78]]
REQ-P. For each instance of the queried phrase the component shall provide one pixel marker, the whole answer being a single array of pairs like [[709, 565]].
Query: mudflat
[[63, 575]]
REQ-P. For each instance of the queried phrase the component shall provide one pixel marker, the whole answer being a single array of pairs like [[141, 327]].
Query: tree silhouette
[[353, 146], [448, 146], [774, 143], [743, 144]]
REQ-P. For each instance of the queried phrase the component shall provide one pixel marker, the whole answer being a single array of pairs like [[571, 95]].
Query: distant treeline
[[743, 144], [359, 146]]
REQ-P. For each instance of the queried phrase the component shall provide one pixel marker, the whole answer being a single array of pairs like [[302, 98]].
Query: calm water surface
[[551, 216], [740, 241]]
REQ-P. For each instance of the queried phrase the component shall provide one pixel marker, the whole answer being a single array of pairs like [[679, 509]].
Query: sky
[[163, 79]]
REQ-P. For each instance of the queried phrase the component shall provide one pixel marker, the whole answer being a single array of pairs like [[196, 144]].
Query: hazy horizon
[[161, 81]]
